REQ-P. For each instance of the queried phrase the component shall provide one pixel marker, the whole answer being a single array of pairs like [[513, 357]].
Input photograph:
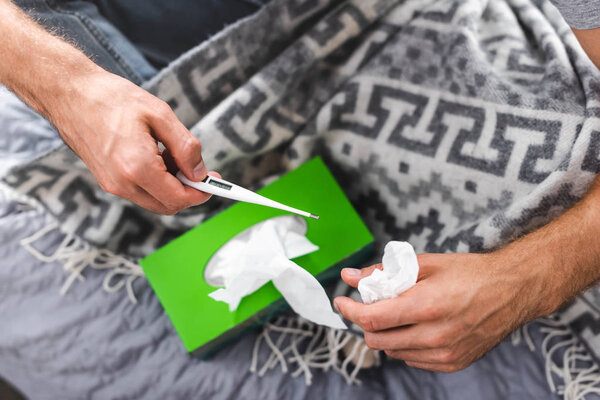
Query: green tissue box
[[176, 271]]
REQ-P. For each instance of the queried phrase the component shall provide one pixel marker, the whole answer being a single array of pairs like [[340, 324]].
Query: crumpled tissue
[[400, 272], [261, 254]]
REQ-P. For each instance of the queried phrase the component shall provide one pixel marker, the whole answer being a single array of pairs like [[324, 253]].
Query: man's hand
[[113, 125], [461, 307], [463, 304]]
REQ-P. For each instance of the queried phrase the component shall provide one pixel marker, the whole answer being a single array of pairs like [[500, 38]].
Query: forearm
[[562, 258], [464, 303], [113, 125], [38, 66]]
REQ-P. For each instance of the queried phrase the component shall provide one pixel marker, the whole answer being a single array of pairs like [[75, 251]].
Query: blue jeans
[[135, 38]]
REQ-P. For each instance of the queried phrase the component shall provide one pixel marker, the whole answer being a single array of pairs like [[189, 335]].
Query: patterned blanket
[[456, 125]]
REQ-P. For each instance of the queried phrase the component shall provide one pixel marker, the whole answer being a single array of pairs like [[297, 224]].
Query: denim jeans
[[134, 38]]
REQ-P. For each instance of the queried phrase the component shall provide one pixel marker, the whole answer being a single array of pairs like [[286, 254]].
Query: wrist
[[533, 279], [64, 85], [559, 260]]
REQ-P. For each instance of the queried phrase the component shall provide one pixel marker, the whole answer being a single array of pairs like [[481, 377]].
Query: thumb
[[352, 275], [184, 147]]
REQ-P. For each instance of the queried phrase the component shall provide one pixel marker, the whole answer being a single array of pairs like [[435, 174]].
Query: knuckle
[[372, 341], [451, 368], [177, 201], [461, 365], [141, 96], [112, 188], [132, 170], [437, 340], [425, 367], [102, 185], [431, 310], [163, 109], [391, 353], [447, 356], [192, 145], [366, 322], [172, 207], [454, 334]]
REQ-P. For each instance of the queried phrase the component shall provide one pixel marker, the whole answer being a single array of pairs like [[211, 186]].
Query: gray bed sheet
[[93, 344]]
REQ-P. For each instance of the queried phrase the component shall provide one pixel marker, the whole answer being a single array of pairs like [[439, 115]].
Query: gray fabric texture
[[455, 125], [79, 20], [90, 344], [580, 14]]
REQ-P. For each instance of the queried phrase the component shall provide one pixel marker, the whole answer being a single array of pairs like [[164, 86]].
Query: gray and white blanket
[[455, 125]]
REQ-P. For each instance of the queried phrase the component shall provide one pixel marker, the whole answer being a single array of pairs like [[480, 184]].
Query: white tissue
[[400, 271], [262, 254]]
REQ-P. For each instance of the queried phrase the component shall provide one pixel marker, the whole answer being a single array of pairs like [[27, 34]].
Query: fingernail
[[200, 171], [335, 305], [352, 271]]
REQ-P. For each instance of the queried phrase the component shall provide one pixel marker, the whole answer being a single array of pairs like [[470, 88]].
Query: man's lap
[[134, 41]]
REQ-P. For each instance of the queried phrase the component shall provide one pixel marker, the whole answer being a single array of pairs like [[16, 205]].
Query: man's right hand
[[112, 124], [115, 127]]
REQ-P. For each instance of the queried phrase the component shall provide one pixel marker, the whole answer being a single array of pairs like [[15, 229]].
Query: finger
[[423, 335], [140, 197], [430, 356], [384, 314], [434, 356], [169, 161], [435, 367], [167, 189], [426, 263], [215, 174], [183, 146], [403, 338], [352, 275], [172, 167], [132, 192]]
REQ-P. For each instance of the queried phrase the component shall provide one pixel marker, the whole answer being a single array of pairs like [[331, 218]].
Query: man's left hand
[[461, 306]]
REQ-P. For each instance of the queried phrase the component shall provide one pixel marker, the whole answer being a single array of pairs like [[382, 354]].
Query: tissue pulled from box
[[263, 253], [400, 271]]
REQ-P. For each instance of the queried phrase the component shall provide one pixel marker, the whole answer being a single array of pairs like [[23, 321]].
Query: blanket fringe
[[297, 343], [300, 347], [76, 255], [23, 203], [571, 372]]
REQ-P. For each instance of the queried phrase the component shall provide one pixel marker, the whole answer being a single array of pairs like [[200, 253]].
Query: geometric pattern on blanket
[[455, 125]]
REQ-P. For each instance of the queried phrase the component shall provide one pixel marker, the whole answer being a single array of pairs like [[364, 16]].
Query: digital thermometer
[[222, 188]]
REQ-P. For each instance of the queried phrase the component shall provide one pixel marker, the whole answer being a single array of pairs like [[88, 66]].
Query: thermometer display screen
[[219, 184]]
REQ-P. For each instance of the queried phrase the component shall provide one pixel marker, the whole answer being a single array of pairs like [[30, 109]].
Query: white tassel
[[576, 371], [23, 202], [76, 255], [294, 341], [573, 375]]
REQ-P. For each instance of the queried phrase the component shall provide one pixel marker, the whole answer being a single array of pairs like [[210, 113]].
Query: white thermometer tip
[[314, 216]]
